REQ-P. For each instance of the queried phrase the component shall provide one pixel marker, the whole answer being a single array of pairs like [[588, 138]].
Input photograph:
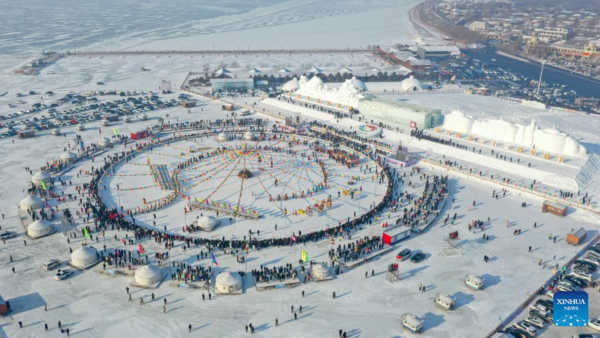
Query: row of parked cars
[[541, 312], [85, 109]]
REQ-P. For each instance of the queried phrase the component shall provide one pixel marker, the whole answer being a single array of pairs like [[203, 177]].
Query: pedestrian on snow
[[13, 269], [276, 322], [246, 328], [153, 296], [164, 309], [130, 297], [202, 296], [20, 325], [59, 325], [292, 308], [530, 248], [295, 316], [555, 239], [372, 273], [209, 296], [366, 274], [300, 309], [46, 326], [127, 289], [420, 287], [190, 328], [165, 300], [302, 293]]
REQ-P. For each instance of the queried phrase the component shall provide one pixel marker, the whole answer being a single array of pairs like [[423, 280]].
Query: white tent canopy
[[68, 157], [104, 142], [148, 275], [84, 257], [228, 282], [319, 271], [31, 202], [39, 228], [223, 137], [41, 176]]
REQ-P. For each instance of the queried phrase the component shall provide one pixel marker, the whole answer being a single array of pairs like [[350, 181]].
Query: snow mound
[[347, 94]]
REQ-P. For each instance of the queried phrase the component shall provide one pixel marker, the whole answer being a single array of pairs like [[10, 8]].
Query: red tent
[[139, 135]]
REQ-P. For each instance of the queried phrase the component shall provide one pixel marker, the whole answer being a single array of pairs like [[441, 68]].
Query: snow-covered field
[[95, 305]]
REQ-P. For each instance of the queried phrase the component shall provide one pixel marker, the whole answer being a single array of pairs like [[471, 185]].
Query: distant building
[[479, 26], [434, 52], [551, 33], [232, 84]]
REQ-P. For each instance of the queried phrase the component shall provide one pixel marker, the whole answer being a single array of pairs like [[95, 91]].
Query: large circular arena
[[270, 184]]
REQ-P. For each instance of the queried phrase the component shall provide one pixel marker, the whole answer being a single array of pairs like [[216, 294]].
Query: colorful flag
[[142, 251], [81, 144], [304, 256], [87, 234], [44, 185], [294, 238], [214, 259], [115, 131]]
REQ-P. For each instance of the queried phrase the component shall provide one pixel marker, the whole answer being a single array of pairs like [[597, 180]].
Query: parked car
[[581, 278], [53, 263], [403, 255], [62, 274], [535, 321], [416, 258], [548, 304], [517, 332], [8, 235], [594, 324], [523, 325]]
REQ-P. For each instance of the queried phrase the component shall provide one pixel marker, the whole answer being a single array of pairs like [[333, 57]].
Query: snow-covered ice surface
[[34, 25], [94, 305]]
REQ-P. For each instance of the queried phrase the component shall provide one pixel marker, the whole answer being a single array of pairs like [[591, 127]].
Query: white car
[[62, 274], [535, 321], [539, 307], [594, 324], [564, 287], [523, 325], [53, 263], [582, 275]]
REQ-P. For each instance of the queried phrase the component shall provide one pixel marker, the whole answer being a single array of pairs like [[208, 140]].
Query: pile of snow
[[207, 223], [68, 157], [291, 86], [531, 136], [347, 94], [104, 142]]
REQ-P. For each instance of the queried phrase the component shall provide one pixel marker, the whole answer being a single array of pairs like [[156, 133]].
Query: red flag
[[142, 251]]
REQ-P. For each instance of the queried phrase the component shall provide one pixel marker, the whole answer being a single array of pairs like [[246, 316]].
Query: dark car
[[517, 332], [416, 258], [577, 281], [588, 264], [403, 255]]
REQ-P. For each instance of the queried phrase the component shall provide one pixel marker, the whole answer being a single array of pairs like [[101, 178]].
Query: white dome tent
[[68, 157], [41, 176], [39, 228], [249, 136], [148, 275], [104, 142], [223, 137], [411, 84], [228, 282], [31, 202], [320, 272], [84, 257], [207, 223]]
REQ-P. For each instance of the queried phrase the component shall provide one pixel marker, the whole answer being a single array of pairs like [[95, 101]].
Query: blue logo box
[[571, 308]]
